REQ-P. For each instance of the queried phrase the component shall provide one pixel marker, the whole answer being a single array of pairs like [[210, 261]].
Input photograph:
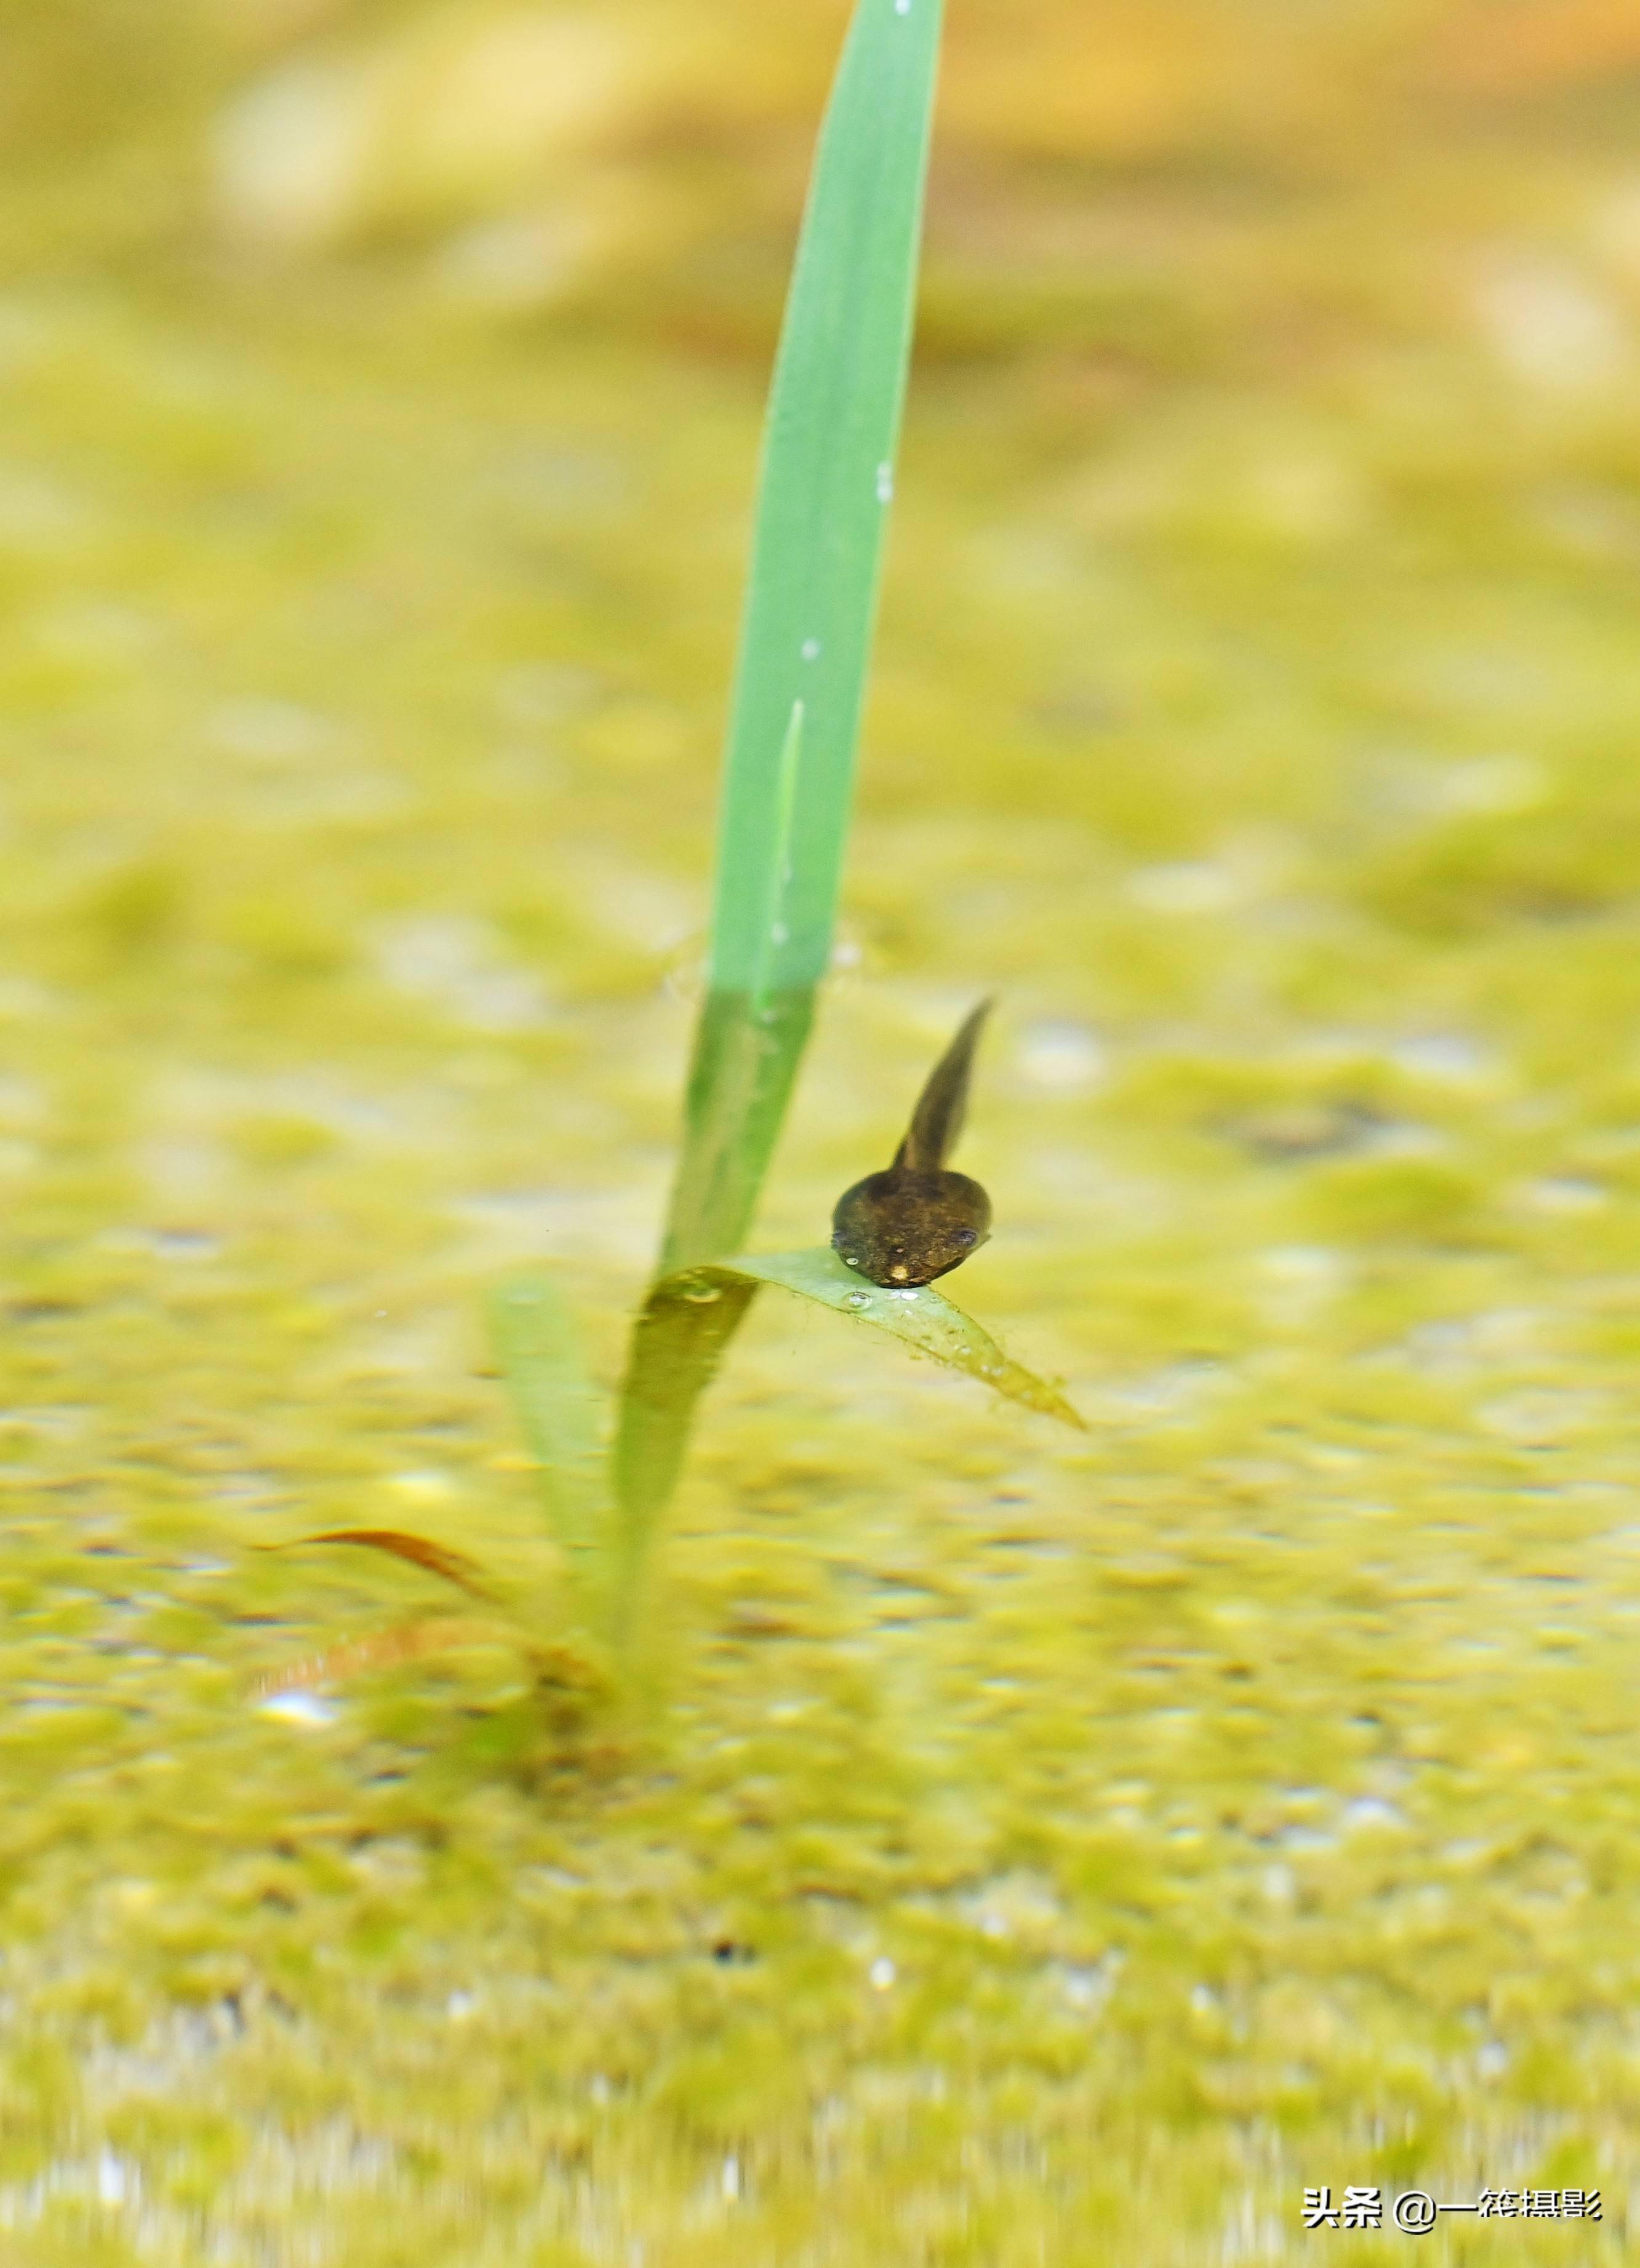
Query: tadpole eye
[[966, 1236]]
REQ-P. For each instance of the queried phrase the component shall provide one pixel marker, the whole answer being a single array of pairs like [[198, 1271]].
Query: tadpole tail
[[943, 1105]]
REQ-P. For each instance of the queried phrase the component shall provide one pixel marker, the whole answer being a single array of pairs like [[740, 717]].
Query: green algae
[[1245, 1798]]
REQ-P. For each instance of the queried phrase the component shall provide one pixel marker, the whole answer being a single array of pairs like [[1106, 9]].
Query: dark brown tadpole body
[[918, 1220]]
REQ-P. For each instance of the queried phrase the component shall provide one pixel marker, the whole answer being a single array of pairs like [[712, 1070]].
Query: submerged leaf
[[559, 1409], [677, 1342], [923, 1318], [682, 1331], [411, 1641], [569, 1687], [434, 1558]]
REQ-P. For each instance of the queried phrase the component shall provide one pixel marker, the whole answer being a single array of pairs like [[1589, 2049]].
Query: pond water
[[1031, 1846]]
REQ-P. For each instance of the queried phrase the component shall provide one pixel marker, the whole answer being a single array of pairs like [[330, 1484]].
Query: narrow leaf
[[833, 427], [923, 1319], [559, 1409], [677, 1342], [407, 1641], [746, 1052], [433, 1558], [827, 479]]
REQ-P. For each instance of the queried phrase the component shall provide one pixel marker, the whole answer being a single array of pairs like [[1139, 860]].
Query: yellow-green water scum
[[1039, 1849]]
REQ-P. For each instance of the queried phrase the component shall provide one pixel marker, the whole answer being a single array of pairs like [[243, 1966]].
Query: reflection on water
[[1246, 1785]]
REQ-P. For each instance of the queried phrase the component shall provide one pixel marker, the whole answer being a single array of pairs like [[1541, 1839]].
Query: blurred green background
[[1040, 1855]]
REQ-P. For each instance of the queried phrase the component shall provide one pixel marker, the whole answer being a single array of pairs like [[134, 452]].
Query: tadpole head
[[901, 1229]]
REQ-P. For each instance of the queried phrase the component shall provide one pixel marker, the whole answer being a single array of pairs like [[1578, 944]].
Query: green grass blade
[[559, 1409], [677, 1344], [746, 1057], [827, 478], [833, 431], [686, 1324], [923, 1320]]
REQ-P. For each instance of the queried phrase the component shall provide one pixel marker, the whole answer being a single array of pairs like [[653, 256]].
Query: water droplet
[[902, 7], [856, 1299], [702, 1295], [885, 472], [811, 649]]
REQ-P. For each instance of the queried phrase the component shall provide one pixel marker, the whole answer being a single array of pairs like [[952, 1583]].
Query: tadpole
[[918, 1220]]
